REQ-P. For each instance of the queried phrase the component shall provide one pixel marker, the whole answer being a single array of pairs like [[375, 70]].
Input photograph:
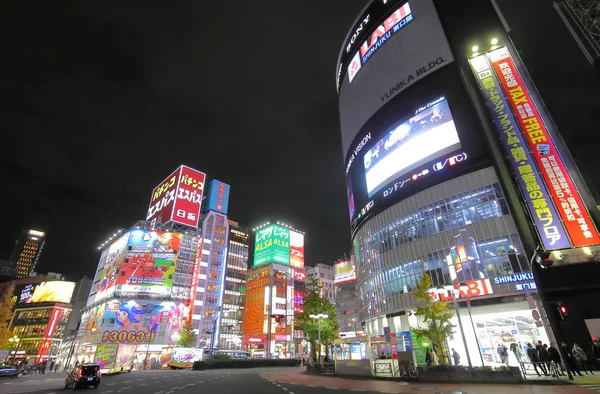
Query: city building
[[7, 270], [456, 168], [274, 293], [323, 274], [234, 291], [27, 252], [346, 298], [45, 309]]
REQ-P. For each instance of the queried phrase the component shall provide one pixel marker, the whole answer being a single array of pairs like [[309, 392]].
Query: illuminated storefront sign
[[570, 205], [178, 198], [218, 196], [547, 221], [296, 250], [475, 288], [272, 245], [396, 21], [52, 291], [300, 275], [520, 282]]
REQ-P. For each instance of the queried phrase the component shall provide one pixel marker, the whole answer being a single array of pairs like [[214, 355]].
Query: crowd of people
[[549, 361]]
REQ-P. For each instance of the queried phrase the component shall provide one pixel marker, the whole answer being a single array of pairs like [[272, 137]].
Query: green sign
[[272, 245], [420, 345]]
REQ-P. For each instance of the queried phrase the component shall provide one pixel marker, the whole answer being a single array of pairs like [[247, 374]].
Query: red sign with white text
[[300, 275], [163, 198], [51, 328], [188, 197], [569, 203], [475, 288]]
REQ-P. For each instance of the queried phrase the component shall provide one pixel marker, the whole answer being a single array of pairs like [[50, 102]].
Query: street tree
[[187, 336], [436, 317], [315, 304], [6, 312]]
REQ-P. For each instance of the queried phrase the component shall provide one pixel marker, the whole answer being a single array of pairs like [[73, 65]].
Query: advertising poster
[[272, 245], [296, 250], [175, 317], [344, 271], [419, 346], [53, 291], [565, 196], [218, 196], [188, 198], [550, 229], [125, 356], [149, 266], [106, 355], [108, 274], [130, 321]]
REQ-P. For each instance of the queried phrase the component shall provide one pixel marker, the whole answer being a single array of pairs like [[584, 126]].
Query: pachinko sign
[[543, 212], [565, 196]]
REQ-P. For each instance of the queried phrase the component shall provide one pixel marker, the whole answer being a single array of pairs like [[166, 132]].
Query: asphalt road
[[231, 381]]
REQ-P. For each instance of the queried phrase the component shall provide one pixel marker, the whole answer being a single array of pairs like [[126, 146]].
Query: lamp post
[[16, 341], [462, 332], [463, 288], [319, 317]]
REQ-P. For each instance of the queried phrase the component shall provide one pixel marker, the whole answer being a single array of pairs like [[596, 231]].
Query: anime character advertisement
[[106, 355], [108, 274], [125, 356], [150, 263], [131, 321], [93, 318], [176, 316]]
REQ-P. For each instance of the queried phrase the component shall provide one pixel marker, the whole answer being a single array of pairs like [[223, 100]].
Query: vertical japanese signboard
[[178, 198], [567, 199], [218, 196], [543, 212]]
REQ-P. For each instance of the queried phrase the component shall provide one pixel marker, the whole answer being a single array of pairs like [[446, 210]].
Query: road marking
[[159, 392], [143, 384], [168, 392], [332, 388], [124, 388], [107, 391], [388, 392], [175, 388], [141, 379], [284, 388], [201, 381], [110, 384]]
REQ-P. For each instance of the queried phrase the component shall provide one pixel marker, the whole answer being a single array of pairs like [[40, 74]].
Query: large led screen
[[52, 291], [425, 136], [272, 245]]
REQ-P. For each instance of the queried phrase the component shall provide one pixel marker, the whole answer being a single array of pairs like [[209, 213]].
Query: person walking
[[581, 357], [555, 358], [455, 357], [542, 350], [571, 360], [428, 357], [534, 359], [503, 353]]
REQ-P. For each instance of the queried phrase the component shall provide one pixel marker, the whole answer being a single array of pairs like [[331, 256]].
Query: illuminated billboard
[[427, 135], [344, 271], [566, 198], [296, 250], [107, 277], [218, 196], [178, 198], [272, 245], [149, 266], [135, 321], [52, 291], [392, 46]]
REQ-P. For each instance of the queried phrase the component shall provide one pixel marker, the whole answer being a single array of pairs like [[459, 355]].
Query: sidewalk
[[299, 377]]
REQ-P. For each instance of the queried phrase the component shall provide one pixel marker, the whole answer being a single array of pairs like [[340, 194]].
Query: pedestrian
[[571, 360], [580, 355], [503, 353], [534, 359], [455, 357], [543, 354], [518, 352], [428, 357], [555, 358]]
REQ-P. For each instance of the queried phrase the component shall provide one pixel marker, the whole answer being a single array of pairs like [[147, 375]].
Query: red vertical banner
[[44, 348], [188, 197], [567, 199]]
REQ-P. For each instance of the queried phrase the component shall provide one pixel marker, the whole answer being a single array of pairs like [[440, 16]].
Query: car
[[84, 375], [9, 371]]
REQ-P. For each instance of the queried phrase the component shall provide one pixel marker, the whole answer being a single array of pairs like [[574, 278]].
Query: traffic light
[[543, 259], [562, 311]]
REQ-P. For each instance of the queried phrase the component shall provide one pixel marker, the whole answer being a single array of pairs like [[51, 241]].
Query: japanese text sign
[[218, 196]]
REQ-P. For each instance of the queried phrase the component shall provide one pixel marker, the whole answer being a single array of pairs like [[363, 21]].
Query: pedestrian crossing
[[591, 386]]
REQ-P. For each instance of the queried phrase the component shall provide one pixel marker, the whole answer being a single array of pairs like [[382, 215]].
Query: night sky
[[108, 98]]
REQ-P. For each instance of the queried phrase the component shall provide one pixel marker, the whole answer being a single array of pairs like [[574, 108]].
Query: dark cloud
[[107, 98]]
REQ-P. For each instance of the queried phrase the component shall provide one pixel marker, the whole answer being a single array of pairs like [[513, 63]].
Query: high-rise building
[[346, 298], [234, 291], [456, 167], [27, 252], [274, 292], [323, 274]]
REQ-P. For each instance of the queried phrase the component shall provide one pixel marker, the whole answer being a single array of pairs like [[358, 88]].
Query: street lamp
[[462, 332], [14, 340], [319, 317], [463, 288]]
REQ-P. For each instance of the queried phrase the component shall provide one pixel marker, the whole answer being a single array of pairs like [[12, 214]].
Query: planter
[[445, 373]]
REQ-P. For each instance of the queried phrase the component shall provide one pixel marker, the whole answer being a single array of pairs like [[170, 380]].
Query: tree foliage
[[187, 336], [314, 304], [6, 312], [436, 315]]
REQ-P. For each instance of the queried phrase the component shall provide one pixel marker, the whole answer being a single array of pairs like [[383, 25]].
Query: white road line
[[124, 388], [107, 391], [159, 392], [168, 392], [332, 388], [388, 392], [284, 388], [201, 381], [143, 384], [110, 384], [141, 379]]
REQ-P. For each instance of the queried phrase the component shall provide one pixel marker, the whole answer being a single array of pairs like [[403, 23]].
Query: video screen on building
[[52, 291], [411, 143]]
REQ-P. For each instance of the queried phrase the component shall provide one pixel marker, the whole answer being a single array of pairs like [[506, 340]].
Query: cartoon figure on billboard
[[164, 243], [130, 316], [142, 241], [176, 317]]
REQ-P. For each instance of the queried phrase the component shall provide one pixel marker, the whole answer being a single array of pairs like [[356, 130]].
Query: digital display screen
[[425, 136]]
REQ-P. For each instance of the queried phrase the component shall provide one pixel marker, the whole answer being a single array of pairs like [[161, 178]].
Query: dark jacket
[[542, 353], [554, 354], [533, 355]]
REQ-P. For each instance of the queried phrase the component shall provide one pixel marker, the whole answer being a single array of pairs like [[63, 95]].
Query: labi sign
[[272, 245]]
